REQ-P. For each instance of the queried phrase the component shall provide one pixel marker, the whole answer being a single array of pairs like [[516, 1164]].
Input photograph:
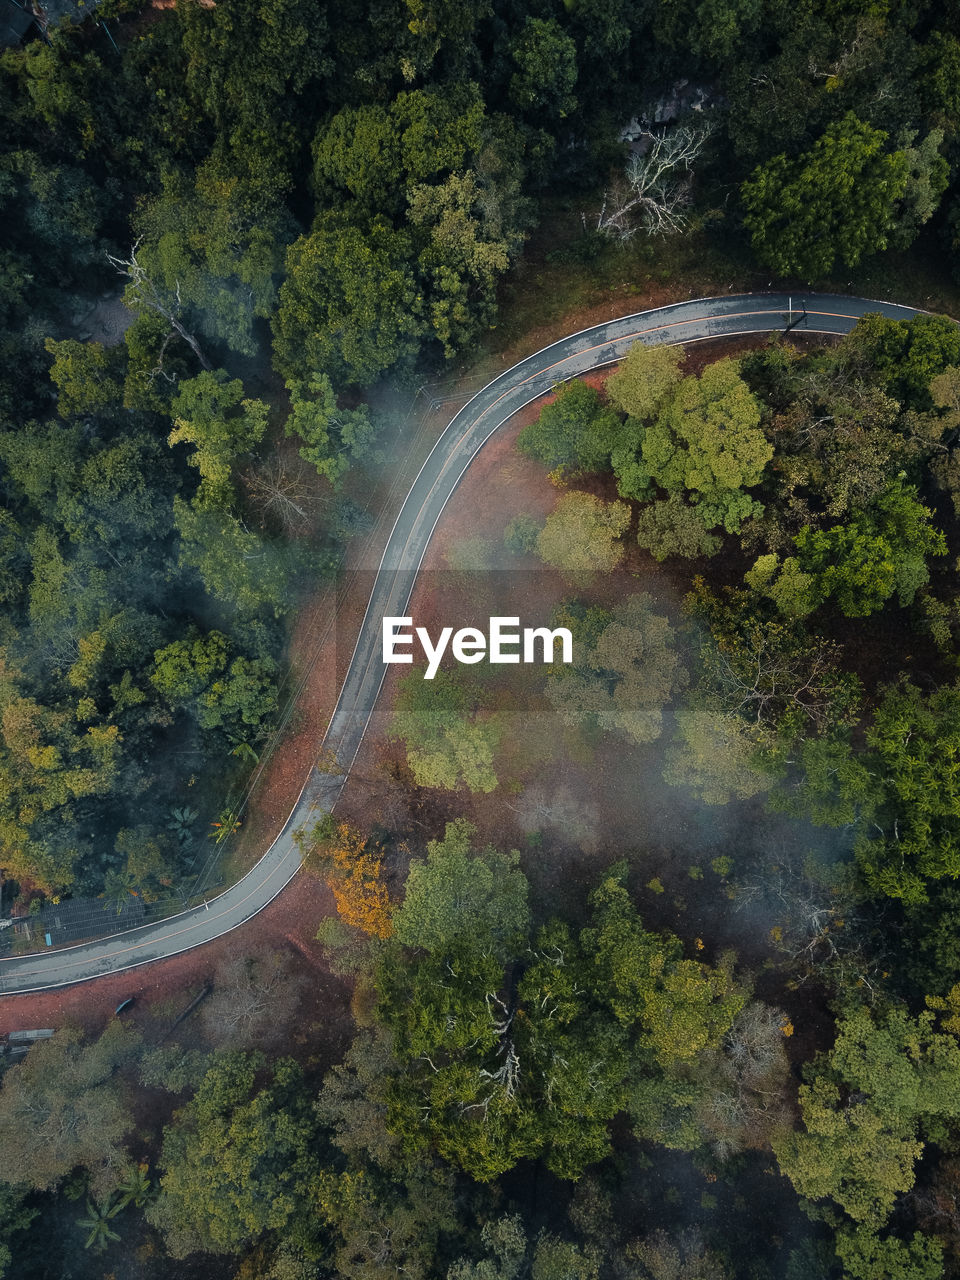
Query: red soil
[[163, 989]]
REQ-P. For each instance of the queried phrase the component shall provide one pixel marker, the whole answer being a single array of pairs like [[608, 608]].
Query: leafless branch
[[654, 194], [145, 296], [285, 493]]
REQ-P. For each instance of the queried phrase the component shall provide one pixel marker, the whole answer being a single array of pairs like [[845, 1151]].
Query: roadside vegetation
[[651, 961]]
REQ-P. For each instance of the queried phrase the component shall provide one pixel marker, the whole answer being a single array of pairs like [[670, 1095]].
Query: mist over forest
[[643, 966]]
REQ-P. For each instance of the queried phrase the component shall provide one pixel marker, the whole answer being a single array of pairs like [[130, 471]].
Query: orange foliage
[[354, 877]]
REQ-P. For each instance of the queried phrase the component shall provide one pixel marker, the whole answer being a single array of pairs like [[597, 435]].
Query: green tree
[[447, 744], [546, 61], [469, 244], [381, 1224], [502, 1080], [707, 443], [885, 1081], [645, 379], [509, 1253], [249, 80], [672, 527], [185, 668], [64, 1106], [623, 679], [905, 355], [532, 1050], [148, 860], [679, 1007], [85, 375], [236, 694], [377, 155], [136, 1188], [520, 535], [504, 1242], [581, 536], [234, 565], [578, 1059], [15, 1217], [243, 700], [574, 432], [457, 1088], [837, 202], [333, 438], [717, 755], [97, 1224], [156, 363], [462, 896], [220, 259], [350, 303], [50, 765], [204, 417], [557, 1259], [445, 172], [238, 1160], [911, 833], [359, 153], [841, 442], [793, 591], [864, 1256], [928, 176], [862, 564], [849, 563], [442, 29]]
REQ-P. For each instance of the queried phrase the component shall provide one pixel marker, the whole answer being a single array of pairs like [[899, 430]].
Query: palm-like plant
[[118, 889], [97, 1224], [136, 1188], [181, 822], [225, 826], [244, 751]]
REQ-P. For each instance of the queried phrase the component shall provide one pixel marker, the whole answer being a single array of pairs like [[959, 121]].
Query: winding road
[[476, 422]]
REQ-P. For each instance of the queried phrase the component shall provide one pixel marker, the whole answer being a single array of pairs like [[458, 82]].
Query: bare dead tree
[[254, 997], [764, 677], [284, 493], [819, 929], [145, 296], [654, 193]]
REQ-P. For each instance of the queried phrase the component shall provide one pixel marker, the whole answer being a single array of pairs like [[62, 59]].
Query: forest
[[642, 968]]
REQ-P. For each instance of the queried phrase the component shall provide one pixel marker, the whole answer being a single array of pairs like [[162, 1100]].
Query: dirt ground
[[164, 989]]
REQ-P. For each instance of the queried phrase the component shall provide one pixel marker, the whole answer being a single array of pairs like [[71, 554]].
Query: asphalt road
[[604, 344]]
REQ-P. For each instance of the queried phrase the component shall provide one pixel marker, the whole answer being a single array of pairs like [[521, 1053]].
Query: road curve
[[476, 422]]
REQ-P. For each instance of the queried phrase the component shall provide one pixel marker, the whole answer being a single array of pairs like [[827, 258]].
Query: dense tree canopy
[[523, 1049], [313, 213], [625, 669], [581, 535], [64, 1107], [238, 1161], [837, 202]]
